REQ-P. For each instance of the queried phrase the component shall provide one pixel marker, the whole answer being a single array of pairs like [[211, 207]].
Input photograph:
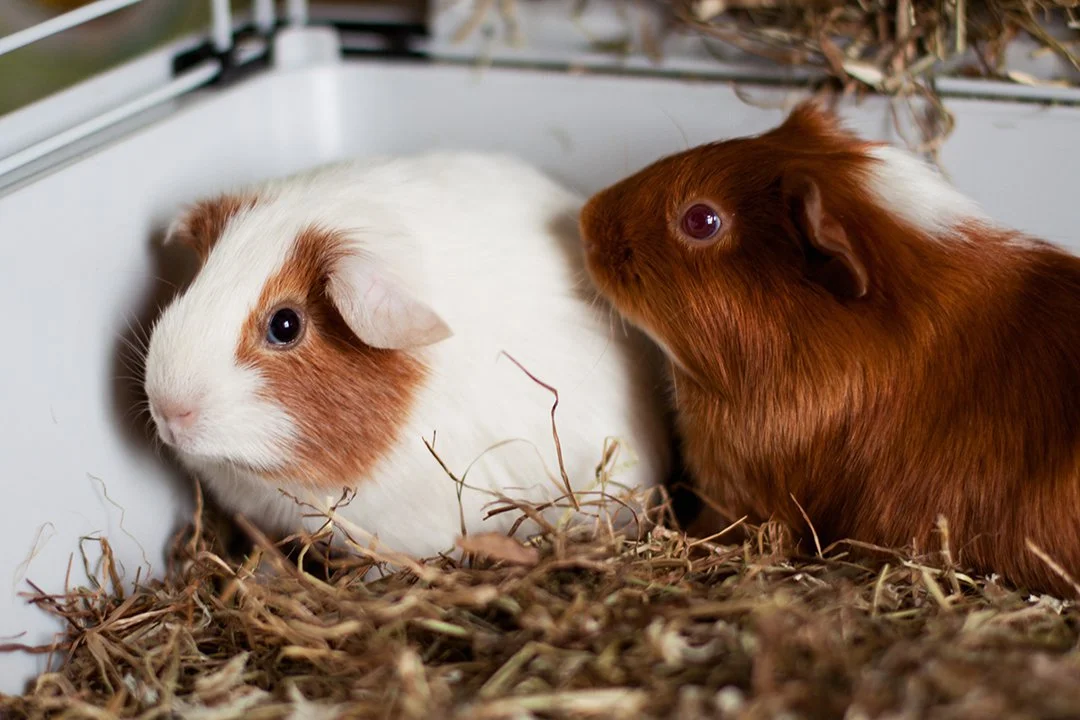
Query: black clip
[[231, 68], [395, 41], [395, 38]]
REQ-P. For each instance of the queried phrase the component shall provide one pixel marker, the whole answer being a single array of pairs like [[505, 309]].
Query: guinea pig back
[[852, 337]]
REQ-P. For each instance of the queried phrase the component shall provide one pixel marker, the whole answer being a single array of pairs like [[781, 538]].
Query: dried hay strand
[[576, 622]]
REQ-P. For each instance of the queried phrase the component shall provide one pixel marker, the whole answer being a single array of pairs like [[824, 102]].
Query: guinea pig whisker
[[136, 349], [685, 139], [132, 353], [136, 372], [156, 442], [674, 384], [138, 332], [133, 361], [169, 283], [133, 413], [131, 358], [144, 340]]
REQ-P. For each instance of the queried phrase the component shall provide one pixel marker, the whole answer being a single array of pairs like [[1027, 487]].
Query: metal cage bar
[[297, 12], [188, 81], [265, 15], [60, 23], [221, 28], [220, 35]]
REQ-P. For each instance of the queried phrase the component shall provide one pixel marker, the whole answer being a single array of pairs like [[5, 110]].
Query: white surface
[[189, 80], [78, 262], [104, 92], [300, 47]]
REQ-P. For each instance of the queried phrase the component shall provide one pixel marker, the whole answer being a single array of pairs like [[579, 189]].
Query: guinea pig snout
[[592, 226], [174, 418], [602, 237]]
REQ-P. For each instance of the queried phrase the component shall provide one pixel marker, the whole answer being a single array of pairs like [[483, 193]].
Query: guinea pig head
[[292, 355], [719, 249]]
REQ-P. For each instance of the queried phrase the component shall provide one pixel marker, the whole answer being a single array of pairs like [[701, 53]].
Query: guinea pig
[[852, 338], [345, 318]]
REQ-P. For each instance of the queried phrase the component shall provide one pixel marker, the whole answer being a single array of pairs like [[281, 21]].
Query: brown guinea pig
[[851, 335]]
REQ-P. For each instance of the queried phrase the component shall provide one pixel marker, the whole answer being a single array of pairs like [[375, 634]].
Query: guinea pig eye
[[284, 327], [700, 222]]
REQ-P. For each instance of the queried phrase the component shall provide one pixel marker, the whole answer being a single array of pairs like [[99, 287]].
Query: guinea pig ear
[[810, 116], [180, 232], [813, 124], [834, 261], [200, 225], [379, 309]]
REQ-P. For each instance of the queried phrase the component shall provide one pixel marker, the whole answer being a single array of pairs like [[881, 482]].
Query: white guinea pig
[[342, 316]]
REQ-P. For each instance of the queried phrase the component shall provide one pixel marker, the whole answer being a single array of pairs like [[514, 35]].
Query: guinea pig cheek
[[349, 403]]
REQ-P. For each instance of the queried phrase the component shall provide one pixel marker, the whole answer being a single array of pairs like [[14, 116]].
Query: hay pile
[[573, 624], [897, 48], [892, 47], [888, 45]]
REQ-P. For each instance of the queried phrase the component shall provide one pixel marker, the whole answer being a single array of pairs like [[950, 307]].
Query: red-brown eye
[[700, 222]]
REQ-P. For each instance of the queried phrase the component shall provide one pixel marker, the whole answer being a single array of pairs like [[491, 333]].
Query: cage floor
[[80, 267]]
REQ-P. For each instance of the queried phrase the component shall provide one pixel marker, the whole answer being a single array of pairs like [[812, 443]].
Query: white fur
[[192, 353], [473, 237], [916, 192]]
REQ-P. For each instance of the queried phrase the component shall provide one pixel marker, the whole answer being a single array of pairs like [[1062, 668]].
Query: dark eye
[[284, 328], [700, 222]]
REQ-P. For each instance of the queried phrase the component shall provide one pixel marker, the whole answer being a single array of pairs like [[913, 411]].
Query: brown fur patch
[[952, 387], [203, 223], [348, 400]]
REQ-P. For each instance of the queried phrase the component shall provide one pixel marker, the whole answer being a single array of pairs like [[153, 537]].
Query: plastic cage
[[91, 174]]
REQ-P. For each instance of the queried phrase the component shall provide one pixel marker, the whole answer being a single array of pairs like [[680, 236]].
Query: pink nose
[[177, 416]]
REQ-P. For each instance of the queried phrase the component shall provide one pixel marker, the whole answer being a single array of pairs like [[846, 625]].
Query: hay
[[885, 45], [574, 623], [896, 48], [891, 47]]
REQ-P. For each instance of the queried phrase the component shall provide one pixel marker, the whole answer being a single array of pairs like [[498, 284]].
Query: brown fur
[[348, 399], [205, 221], [951, 387]]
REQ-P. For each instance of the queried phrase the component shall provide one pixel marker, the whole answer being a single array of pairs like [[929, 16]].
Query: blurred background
[[897, 47], [42, 68]]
